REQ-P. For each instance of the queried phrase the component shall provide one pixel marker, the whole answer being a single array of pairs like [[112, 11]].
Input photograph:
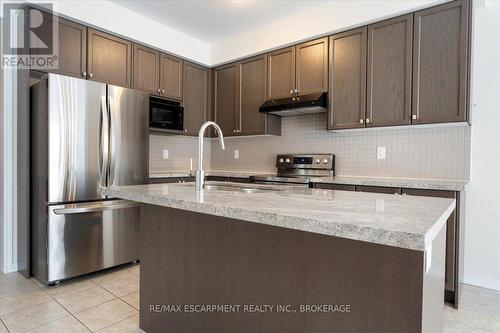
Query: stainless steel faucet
[[200, 174]]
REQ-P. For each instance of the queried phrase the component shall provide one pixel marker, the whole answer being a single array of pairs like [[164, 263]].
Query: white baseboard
[[482, 282]]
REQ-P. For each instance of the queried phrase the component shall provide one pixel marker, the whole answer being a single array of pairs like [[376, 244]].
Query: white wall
[[112, 17], [482, 231], [321, 20]]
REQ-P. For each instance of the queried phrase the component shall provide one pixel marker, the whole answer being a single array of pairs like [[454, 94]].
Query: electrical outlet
[[165, 154], [236, 154], [381, 153]]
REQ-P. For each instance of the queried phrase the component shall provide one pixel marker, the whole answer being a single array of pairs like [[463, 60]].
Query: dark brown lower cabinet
[[340, 187], [454, 254], [378, 189], [163, 180]]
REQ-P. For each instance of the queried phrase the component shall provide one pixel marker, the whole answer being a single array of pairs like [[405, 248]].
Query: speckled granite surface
[[432, 184], [409, 222]]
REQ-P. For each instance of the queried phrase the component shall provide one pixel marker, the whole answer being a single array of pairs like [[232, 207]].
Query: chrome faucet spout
[[200, 173]]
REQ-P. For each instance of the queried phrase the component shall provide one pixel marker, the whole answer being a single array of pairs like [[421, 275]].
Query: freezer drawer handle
[[95, 208]]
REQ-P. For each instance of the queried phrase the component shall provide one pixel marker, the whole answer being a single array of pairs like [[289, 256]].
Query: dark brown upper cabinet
[[73, 49], [312, 66], [281, 73], [146, 69], [72, 45], [225, 99], [300, 69], [171, 76], [440, 63], [347, 74], [251, 77], [196, 98], [388, 100], [109, 58]]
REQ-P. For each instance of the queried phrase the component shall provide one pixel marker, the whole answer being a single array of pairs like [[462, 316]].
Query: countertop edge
[[398, 239]]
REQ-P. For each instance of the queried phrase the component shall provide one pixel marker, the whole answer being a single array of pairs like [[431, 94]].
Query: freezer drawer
[[84, 238]]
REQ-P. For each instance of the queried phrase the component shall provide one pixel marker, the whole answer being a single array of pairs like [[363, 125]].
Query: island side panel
[[192, 258], [432, 299]]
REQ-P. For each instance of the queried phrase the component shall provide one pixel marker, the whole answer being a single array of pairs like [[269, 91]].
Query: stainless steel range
[[299, 168]]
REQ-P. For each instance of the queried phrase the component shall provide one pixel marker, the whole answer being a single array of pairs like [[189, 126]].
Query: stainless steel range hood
[[293, 106]]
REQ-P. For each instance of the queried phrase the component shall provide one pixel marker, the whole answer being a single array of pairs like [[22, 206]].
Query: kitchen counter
[[431, 184], [407, 222]]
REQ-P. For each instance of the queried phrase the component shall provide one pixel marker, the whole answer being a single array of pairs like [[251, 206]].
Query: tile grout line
[[135, 314], [72, 315]]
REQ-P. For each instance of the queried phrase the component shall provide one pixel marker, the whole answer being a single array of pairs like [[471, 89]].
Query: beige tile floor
[[109, 302]]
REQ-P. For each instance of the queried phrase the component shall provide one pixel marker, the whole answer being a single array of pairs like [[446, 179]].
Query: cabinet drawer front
[[378, 189]]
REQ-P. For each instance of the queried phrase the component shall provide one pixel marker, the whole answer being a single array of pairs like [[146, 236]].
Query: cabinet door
[[440, 63], [72, 49], [451, 233], [281, 73], [146, 69], [196, 80], [225, 98], [252, 93], [312, 66], [389, 72], [347, 88], [171, 76], [109, 59], [72, 45]]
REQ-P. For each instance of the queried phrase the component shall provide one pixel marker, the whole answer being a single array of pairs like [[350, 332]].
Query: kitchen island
[[299, 260]]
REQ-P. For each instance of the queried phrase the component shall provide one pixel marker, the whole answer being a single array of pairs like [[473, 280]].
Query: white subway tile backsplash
[[411, 152]]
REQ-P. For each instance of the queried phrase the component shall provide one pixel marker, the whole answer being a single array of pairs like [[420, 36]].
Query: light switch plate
[[236, 154], [381, 153], [165, 154]]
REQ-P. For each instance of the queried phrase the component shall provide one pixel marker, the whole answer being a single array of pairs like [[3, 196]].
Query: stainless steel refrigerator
[[84, 134]]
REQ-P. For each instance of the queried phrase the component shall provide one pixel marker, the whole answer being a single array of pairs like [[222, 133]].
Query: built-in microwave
[[165, 114]]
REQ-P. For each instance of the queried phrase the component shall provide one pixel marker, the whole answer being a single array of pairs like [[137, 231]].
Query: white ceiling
[[212, 20]]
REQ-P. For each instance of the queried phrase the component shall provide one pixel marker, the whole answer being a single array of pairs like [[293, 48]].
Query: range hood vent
[[293, 106]]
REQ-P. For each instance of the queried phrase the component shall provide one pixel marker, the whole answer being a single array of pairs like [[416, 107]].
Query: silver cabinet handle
[[234, 131], [414, 117], [296, 90], [91, 74], [361, 121], [163, 91], [291, 91], [159, 90], [185, 130], [99, 207], [367, 120], [84, 74]]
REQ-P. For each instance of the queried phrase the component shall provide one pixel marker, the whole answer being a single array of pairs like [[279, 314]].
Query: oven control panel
[[306, 161]]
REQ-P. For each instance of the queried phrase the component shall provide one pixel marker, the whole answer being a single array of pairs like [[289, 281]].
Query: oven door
[[166, 116]]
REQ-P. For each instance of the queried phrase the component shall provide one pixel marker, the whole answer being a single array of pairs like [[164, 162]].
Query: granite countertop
[[409, 222], [431, 184]]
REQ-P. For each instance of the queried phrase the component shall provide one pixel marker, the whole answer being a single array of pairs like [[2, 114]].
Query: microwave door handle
[[103, 141]]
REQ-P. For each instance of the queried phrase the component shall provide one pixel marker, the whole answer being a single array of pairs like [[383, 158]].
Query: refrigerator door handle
[[103, 142], [95, 207], [112, 140]]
